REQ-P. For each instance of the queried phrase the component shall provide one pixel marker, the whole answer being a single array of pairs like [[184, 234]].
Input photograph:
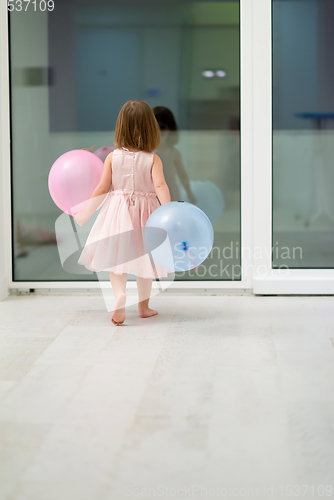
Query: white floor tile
[[19, 443], [215, 391], [42, 394], [17, 355]]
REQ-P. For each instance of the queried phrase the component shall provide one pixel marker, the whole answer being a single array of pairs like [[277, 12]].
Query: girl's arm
[[183, 176], [159, 182], [103, 188]]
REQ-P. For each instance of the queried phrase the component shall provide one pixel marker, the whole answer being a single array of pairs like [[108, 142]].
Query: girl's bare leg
[[118, 283], [144, 292]]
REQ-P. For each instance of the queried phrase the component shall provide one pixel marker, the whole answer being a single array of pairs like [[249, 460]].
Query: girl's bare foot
[[118, 316], [147, 312]]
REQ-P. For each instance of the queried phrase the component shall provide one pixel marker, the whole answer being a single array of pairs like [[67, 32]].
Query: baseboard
[[294, 286]]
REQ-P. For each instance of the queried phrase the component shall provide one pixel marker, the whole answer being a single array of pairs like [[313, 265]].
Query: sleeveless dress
[[115, 242]]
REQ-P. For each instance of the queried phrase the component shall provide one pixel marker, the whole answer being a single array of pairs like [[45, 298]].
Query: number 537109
[[41, 5]]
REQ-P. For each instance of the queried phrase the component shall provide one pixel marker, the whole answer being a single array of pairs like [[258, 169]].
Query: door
[[71, 70], [293, 161]]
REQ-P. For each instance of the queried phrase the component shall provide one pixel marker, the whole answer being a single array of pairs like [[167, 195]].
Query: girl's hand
[[81, 218]]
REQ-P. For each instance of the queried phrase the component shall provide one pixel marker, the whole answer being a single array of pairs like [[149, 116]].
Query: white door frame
[[256, 175]]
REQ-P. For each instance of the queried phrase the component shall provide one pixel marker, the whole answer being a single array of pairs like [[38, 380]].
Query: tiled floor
[[217, 396]]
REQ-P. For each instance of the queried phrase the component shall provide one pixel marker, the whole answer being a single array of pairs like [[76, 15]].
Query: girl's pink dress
[[115, 242]]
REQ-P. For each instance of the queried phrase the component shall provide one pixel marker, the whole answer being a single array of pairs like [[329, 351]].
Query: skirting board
[[293, 286]]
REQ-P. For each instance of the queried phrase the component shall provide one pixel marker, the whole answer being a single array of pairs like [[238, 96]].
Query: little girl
[[115, 242]]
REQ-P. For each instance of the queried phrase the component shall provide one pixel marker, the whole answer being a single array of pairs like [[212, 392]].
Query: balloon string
[[75, 233], [89, 149]]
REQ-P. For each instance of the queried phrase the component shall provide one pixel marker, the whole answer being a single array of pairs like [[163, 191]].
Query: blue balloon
[[179, 236]]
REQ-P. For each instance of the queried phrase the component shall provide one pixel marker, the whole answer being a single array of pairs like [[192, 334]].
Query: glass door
[[294, 167], [71, 70]]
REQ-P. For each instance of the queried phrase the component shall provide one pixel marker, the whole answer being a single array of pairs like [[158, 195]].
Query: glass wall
[[73, 68], [303, 138]]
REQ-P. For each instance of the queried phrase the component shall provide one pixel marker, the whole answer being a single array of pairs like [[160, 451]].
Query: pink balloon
[[73, 178], [103, 152]]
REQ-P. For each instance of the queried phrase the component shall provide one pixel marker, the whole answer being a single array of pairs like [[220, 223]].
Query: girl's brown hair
[[166, 121], [137, 127]]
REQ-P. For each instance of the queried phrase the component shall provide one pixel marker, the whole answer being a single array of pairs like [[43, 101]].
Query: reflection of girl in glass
[[170, 156]]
